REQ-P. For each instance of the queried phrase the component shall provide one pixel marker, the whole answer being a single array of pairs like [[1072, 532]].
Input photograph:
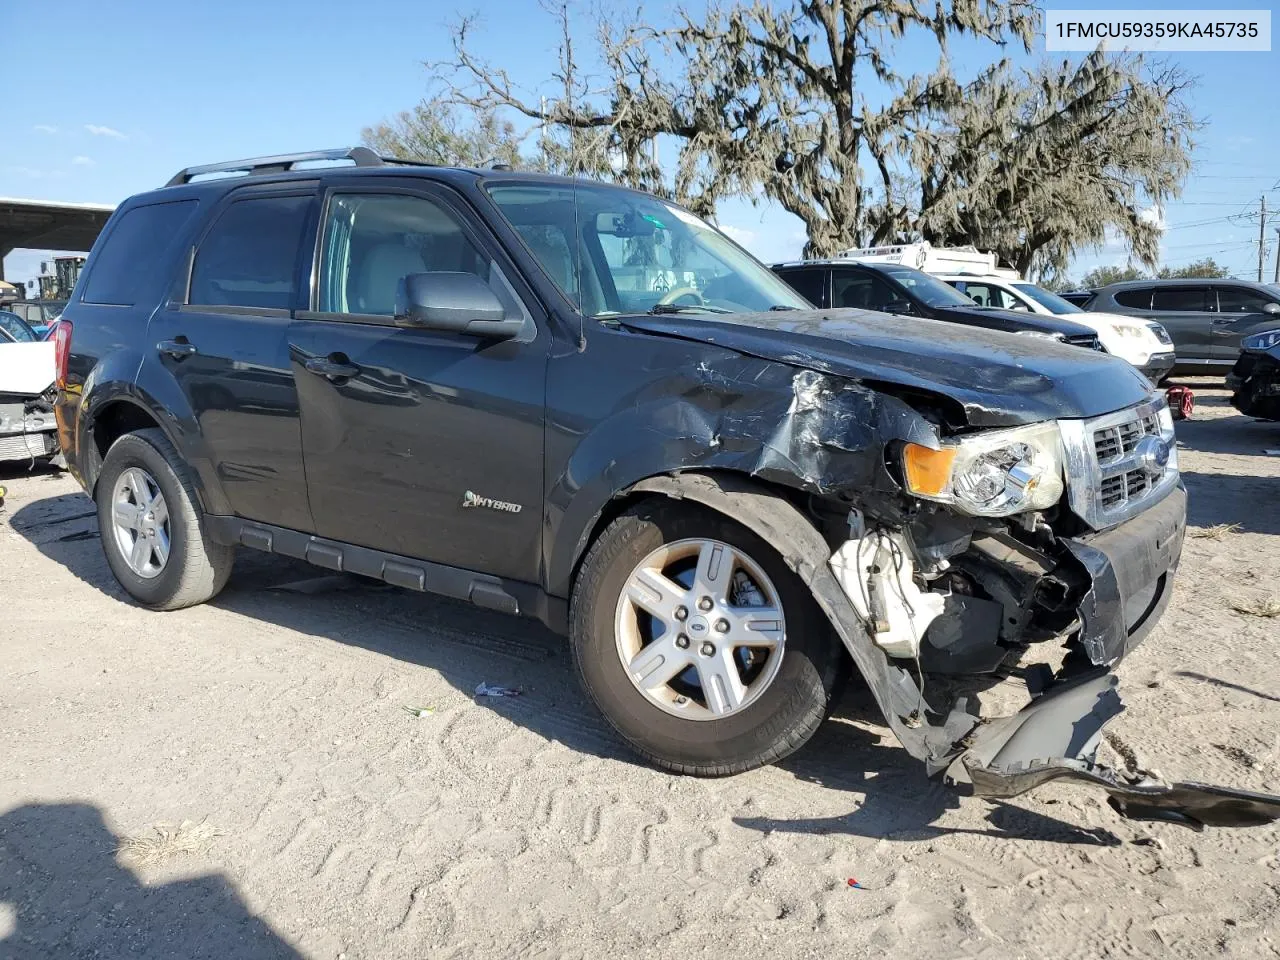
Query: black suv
[[581, 403], [898, 289], [1207, 319]]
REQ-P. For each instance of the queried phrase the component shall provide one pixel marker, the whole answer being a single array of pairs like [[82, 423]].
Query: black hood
[[1000, 379], [993, 318]]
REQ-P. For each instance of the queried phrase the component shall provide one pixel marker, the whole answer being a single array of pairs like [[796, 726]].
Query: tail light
[[61, 351]]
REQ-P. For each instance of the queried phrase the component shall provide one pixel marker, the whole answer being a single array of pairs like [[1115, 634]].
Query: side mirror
[[1271, 308], [455, 302], [899, 306], [1021, 306]]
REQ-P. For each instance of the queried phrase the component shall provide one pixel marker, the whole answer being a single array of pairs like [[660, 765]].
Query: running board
[[1056, 737], [484, 590]]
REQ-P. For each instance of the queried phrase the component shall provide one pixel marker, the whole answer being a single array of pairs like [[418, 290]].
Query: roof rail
[[256, 166]]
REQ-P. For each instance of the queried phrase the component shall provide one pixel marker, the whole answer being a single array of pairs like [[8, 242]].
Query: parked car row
[[584, 404]]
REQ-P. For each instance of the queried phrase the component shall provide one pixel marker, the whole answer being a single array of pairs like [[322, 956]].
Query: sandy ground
[[310, 815]]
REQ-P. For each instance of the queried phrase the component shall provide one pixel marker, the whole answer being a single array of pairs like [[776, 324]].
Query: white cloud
[[101, 131], [44, 128], [82, 161], [1155, 217]]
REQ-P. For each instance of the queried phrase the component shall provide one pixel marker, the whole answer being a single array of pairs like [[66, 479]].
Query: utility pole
[[1277, 279], [1262, 236]]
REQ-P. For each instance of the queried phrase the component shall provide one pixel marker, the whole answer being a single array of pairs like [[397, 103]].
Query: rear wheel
[[697, 643], [151, 527]]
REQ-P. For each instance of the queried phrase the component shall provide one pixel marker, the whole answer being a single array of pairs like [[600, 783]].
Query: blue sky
[[106, 99]]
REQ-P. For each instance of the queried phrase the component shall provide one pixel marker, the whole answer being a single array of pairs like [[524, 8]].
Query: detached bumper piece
[[1056, 737]]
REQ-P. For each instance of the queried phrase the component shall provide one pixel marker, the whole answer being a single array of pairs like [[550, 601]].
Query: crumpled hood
[[1000, 379]]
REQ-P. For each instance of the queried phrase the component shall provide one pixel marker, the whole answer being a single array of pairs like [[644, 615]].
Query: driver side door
[[418, 442]]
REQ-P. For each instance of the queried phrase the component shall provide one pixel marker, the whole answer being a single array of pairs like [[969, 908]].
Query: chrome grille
[[1112, 474]]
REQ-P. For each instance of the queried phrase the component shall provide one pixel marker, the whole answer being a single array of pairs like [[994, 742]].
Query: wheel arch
[[126, 409]]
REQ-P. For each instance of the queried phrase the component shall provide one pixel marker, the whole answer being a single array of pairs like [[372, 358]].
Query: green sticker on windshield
[[655, 221]]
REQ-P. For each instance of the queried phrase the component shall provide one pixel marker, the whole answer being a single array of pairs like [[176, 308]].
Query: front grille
[[1089, 342], [1113, 474]]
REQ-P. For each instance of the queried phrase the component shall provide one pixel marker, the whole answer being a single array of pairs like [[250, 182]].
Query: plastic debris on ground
[[855, 884], [419, 712], [493, 690]]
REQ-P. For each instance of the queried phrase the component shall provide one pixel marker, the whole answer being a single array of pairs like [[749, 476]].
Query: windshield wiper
[[782, 306], [660, 308]]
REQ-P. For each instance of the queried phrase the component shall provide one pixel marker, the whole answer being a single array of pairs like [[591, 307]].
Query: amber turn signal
[[928, 472]]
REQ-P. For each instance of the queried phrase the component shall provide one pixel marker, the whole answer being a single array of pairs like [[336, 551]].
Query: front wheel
[[697, 643]]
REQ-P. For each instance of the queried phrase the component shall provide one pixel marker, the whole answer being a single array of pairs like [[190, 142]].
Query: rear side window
[[1137, 299], [808, 283], [862, 290], [248, 257], [1179, 299], [131, 252], [1243, 300]]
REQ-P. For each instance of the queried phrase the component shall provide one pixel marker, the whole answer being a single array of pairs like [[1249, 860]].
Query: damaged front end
[[932, 601], [1000, 523]]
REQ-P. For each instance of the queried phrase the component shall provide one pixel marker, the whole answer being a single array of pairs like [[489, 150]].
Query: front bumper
[[1131, 567], [1158, 366]]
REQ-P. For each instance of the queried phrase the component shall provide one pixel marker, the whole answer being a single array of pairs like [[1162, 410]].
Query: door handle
[[333, 367], [178, 349], [1220, 321]]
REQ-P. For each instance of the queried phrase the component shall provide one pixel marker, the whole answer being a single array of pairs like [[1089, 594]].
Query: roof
[[1179, 282], [842, 262]]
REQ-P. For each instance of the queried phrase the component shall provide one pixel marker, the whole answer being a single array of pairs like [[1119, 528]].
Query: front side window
[[249, 257], [373, 241], [612, 251], [1050, 301], [865, 291], [1243, 300], [929, 289], [1179, 299]]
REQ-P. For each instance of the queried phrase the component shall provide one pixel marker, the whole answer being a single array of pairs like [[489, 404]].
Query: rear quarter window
[[132, 250], [1135, 299]]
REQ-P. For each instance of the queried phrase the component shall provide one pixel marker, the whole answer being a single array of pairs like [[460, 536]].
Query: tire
[[196, 567], [783, 715]]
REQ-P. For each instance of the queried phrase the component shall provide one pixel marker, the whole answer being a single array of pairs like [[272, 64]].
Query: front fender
[[809, 431]]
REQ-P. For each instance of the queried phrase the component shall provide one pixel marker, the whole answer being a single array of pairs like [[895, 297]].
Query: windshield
[[16, 328], [613, 251], [929, 289], [1052, 301]]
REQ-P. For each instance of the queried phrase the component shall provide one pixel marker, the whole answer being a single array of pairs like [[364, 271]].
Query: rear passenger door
[[421, 443], [1187, 313], [1241, 311], [221, 340]]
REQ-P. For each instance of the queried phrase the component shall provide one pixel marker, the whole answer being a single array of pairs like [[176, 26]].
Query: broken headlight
[[992, 474]]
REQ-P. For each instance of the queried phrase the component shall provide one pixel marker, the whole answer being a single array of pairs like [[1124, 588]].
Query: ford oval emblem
[[1152, 455]]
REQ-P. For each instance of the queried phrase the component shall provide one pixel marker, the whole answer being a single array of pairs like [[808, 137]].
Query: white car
[[28, 430], [1144, 343]]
